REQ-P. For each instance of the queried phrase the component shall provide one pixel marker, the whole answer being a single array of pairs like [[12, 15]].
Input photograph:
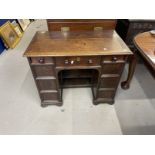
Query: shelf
[[76, 82], [48, 91], [77, 73], [45, 78], [109, 75]]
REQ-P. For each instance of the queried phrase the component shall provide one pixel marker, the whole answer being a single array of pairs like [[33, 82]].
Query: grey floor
[[20, 111]]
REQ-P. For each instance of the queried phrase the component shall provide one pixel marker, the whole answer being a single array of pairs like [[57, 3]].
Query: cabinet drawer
[[47, 84], [106, 94], [114, 68], [49, 96], [114, 59], [77, 61], [41, 60], [109, 82], [46, 70]]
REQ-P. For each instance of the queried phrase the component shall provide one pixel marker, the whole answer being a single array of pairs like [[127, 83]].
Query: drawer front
[[43, 70], [41, 60], [47, 84], [114, 68], [49, 96], [106, 94], [77, 61], [109, 82], [113, 59]]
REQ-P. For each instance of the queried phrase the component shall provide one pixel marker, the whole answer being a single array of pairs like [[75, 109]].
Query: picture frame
[[23, 23], [17, 28], [9, 35], [18, 31]]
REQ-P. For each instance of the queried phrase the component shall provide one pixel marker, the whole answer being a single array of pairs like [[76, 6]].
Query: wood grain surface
[[79, 43], [145, 42]]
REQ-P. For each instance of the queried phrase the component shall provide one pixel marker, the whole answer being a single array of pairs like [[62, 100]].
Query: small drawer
[[109, 82], [41, 60], [49, 96], [43, 70], [106, 94], [114, 59], [47, 84], [114, 68], [77, 61]]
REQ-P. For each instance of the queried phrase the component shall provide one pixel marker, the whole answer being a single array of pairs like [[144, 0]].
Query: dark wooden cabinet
[[129, 28], [102, 75], [94, 59]]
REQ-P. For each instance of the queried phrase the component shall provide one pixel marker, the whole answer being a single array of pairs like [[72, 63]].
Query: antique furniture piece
[[9, 35], [63, 59], [128, 28], [145, 43], [80, 24]]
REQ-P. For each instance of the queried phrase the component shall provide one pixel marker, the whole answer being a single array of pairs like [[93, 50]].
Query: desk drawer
[[114, 59], [112, 68], [47, 84], [46, 70], [109, 82], [77, 61], [41, 60]]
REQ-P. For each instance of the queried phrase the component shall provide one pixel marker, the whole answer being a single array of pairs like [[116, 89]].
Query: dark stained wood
[[129, 28], [84, 43], [113, 68], [132, 64], [80, 24], [145, 44], [77, 59], [46, 70], [106, 94], [109, 81]]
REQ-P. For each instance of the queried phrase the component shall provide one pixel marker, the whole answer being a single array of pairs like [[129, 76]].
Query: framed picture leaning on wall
[[9, 35], [23, 23], [17, 28]]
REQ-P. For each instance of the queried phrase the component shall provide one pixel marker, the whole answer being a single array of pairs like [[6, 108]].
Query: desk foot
[[125, 85], [51, 103], [44, 105], [103, 101]]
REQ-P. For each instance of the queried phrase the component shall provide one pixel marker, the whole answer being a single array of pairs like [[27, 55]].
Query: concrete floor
[[20, 111]]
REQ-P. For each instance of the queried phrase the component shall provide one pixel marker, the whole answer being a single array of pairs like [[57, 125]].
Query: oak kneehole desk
[[93, 59]]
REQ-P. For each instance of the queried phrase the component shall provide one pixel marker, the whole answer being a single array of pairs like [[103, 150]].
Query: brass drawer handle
[[90, 61], [66, 62], [114, 59], [41, 60], [72, 62]]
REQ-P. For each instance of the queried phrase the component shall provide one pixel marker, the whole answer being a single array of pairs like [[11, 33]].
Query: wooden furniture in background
[[129, 28], [145, 44], [94, 59]]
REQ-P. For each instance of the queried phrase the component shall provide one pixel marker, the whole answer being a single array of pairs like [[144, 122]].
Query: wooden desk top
[[79, 43], [145, 43]]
